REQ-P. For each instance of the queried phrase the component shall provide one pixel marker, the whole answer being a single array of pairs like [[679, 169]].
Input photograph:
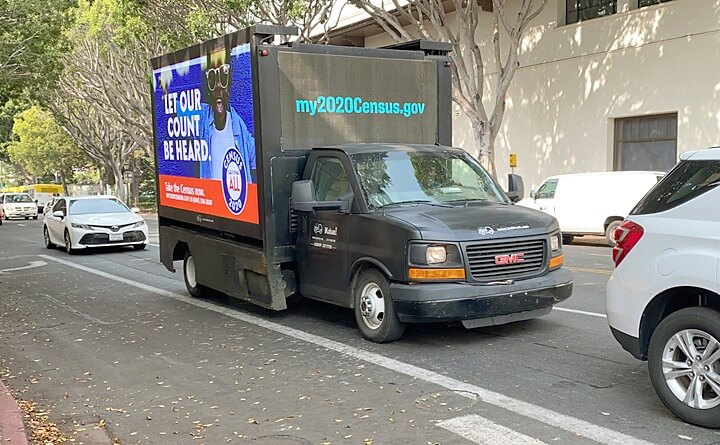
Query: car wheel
[[610, 232], [68, 244], [139, 246], [374, 310], [684, 365], [34, 217], [568, 239], [46, 236], [194, 288]]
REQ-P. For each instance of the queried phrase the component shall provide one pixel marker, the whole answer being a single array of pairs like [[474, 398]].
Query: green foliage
[[42, 147], [7, 117]]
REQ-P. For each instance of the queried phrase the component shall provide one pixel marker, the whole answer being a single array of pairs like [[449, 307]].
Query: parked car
[[591, 203], [93, 221], [18, 205], [663, 301]]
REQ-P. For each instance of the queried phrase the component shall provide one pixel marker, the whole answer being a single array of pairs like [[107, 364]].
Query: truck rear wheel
[[194, 288], [374, 310]]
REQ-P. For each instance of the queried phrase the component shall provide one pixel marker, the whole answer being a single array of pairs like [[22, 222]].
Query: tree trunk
[[137, 171], [485, 146], [103, 181], [64, 184], [119, 183]]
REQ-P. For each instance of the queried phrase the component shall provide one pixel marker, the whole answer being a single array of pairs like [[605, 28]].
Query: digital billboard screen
[[205, 139], [337, 99]]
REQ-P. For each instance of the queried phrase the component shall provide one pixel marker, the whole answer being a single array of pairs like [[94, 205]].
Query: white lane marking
[[154, 245], [571, 424], [484, 432], [31, 265], [605, 255], [575, 311]]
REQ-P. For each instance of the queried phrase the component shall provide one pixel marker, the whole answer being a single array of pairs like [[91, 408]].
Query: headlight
[[555, 243], [81, 226], [436, 254], [139, 224]]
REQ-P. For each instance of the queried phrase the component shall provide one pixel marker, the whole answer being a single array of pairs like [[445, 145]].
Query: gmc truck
[[288, 170]]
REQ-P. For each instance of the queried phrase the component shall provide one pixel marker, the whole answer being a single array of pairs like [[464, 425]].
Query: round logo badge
[[234, 178]]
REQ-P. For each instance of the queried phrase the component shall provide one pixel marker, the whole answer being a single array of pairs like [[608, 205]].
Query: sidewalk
[[12, 429]]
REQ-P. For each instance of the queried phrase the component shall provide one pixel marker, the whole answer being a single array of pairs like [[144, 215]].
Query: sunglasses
[[219, 75]]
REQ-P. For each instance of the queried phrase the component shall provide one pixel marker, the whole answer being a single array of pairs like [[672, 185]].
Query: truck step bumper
[[480, 305]]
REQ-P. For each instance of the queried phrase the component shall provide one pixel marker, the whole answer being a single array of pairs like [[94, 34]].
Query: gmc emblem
[[513, 258]]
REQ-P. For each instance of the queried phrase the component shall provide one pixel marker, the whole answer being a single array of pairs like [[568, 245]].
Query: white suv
[[663, 299]]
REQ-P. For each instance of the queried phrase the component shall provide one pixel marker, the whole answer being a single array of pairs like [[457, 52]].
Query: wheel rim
[[190, 272], [46, 235], [691, 366], [372, 306], [68, 243]]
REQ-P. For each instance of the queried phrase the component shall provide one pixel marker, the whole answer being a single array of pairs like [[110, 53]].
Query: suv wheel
[[684, 365], [374, 310]]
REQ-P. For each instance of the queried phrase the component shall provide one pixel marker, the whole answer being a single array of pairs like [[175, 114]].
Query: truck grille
[[483, 259]]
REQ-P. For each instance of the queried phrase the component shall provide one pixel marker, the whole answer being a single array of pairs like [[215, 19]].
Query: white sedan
[[93, 221]]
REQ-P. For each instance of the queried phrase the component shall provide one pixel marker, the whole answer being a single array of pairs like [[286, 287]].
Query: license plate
[[116, 237]]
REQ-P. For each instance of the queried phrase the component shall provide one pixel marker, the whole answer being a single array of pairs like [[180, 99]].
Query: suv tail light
[[626, 237]]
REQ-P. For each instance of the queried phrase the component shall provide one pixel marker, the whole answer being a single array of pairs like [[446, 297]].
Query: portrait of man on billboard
[[223, 127]]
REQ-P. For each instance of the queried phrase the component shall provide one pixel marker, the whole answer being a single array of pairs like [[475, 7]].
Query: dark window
[[688, 180], [547, 190], [646, 143], [580, 10], [331, 181], [642, 3]]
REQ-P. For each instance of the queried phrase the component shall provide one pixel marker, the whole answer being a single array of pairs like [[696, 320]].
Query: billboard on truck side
[[205, 135]]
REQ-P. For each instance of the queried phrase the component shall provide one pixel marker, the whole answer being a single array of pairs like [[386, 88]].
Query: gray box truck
[[326, 172]]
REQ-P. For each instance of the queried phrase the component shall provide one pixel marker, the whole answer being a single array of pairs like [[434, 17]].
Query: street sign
[[128, 176], [513, 160]]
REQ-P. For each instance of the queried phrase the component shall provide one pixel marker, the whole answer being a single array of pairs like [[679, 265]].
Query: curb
[[12, 429]]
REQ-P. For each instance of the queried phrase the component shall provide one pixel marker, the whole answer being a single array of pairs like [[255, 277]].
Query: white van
[[591, 203]]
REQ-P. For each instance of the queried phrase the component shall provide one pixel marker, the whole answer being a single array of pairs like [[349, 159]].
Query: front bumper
[[88, 238], [21, 213], [437, 302]]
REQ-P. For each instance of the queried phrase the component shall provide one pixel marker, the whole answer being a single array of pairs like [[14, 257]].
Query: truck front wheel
[[194, 288], [374, 311]]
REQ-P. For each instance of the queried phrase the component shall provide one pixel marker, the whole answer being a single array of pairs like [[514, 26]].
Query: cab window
[[547, 190], [330, 179]]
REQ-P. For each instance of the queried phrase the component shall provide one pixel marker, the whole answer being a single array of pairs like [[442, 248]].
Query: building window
[[580, 10], [642, 3], [646, 142]]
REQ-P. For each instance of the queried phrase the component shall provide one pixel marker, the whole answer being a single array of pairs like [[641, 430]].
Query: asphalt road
[[112, 339]]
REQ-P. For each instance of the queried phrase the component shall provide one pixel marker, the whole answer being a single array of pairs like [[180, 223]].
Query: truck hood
[[477, 221]]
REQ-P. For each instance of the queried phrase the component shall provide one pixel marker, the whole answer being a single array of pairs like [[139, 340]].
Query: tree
[[458, 25], [42, 148]]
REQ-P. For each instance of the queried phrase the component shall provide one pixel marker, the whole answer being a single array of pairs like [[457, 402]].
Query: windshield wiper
[[413, 201]]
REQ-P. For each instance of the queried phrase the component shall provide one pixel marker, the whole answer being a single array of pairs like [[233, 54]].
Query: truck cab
[[421, 233]]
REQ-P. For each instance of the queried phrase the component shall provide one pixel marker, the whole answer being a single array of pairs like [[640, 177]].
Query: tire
[[68, 244], [35, 217], [374, 310], [568, 239], [610, 231], [139, 246], [27, 218], [701, 322], [195, 289], [46, 237]]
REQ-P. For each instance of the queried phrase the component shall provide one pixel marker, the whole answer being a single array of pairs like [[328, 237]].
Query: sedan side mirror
[[58, 214], [304, 200]]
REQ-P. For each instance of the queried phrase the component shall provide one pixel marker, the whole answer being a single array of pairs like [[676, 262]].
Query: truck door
[[324, 238]]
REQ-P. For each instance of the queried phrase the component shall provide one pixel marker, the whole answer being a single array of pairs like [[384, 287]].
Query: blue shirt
[[244, 141]]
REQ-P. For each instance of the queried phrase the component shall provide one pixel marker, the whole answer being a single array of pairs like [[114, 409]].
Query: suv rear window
[[688, 180]]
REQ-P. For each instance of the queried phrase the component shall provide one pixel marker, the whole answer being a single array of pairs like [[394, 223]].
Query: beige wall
[[575, 79]]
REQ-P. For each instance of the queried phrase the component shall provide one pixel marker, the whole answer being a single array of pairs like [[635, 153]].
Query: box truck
[[326, 172]]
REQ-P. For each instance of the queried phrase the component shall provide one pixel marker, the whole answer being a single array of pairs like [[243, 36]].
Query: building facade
[[603, 85]]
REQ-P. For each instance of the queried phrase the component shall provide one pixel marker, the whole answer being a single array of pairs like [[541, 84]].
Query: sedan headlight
[[436, 254], [81, 226], [555, 243], [138, 224]]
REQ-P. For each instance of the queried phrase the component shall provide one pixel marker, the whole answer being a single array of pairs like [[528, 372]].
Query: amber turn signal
[[436, 274], [557, 261]]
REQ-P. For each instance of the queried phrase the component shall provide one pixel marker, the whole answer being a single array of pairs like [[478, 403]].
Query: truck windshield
[[396, 177]]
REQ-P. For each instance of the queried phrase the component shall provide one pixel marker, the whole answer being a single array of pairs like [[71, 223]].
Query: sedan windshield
[[398, 177], [95, 206], [18, 198]]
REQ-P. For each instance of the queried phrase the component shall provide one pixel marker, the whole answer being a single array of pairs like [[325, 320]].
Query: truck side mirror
[[304, 200], [516, 187]]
